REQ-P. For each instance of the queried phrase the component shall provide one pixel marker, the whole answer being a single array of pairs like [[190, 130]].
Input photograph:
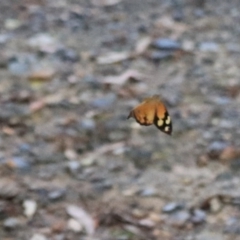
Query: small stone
[[209, 47], [43, 42], [11, 223], [232, 226], [57, 194], [208, 235], [166, 44], [88, 124], [138, 213], [38, 236], [198, 216], [161, 55], [88, 161], [188, 45], [171, 207], [180, 218], [30, 207], [199, 13], [148, 192], [73, 166], [104, 102], [202, 161], [215, 149], [18, 163], [146, 222], [8, 189], [12, 24], [69, 55], [74, 225], [21, 64], [215, 205]]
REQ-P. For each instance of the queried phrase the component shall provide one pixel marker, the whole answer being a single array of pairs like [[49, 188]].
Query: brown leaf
[[41, 75], [37, 105], [142, 45], [228, 154]]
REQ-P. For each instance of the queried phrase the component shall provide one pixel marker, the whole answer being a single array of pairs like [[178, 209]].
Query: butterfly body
[[152, 111]]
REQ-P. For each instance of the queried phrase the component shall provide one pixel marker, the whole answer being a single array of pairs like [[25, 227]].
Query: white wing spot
[[160, 122], [166, 129], [168, 120]]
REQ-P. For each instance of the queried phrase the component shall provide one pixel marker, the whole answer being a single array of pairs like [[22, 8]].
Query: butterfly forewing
[[144, 113]]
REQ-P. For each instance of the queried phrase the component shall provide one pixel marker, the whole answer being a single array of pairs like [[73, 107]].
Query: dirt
[[72, 166]]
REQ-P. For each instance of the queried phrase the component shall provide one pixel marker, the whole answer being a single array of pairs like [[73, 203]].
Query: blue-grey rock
[[166, 44]]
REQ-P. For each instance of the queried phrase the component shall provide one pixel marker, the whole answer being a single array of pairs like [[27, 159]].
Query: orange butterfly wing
[[153, 111], [144, 113], [162, 119]]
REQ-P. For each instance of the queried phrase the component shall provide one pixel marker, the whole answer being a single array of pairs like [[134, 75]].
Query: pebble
[[12, 24], [68, 55], [161, 55], [104, 102], [74, 225], [148, 192], [199, 13], [21, 64], [8, 189], [198, 216], [11, 223], [38, 236], [146, 222], [19, 163], [179, 218], [232, 226], [166, 44], [73, 166], [57, 194], [43, 42], [171, 207], [207, 235], [215, 205], [87, 124], [209, 47], [30, 208], [215, 149]]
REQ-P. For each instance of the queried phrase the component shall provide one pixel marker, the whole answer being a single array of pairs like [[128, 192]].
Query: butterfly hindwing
[[163, 123]]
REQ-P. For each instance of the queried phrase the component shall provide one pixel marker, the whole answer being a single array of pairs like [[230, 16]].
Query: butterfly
[[153, 111]]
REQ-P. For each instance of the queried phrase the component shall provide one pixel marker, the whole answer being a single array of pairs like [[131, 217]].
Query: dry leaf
[[41, 75], [82, 217], [37, 105], [124, 77], [142, 45]]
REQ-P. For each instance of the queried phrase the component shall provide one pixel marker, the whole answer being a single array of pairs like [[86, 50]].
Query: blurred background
[[72, 166]]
